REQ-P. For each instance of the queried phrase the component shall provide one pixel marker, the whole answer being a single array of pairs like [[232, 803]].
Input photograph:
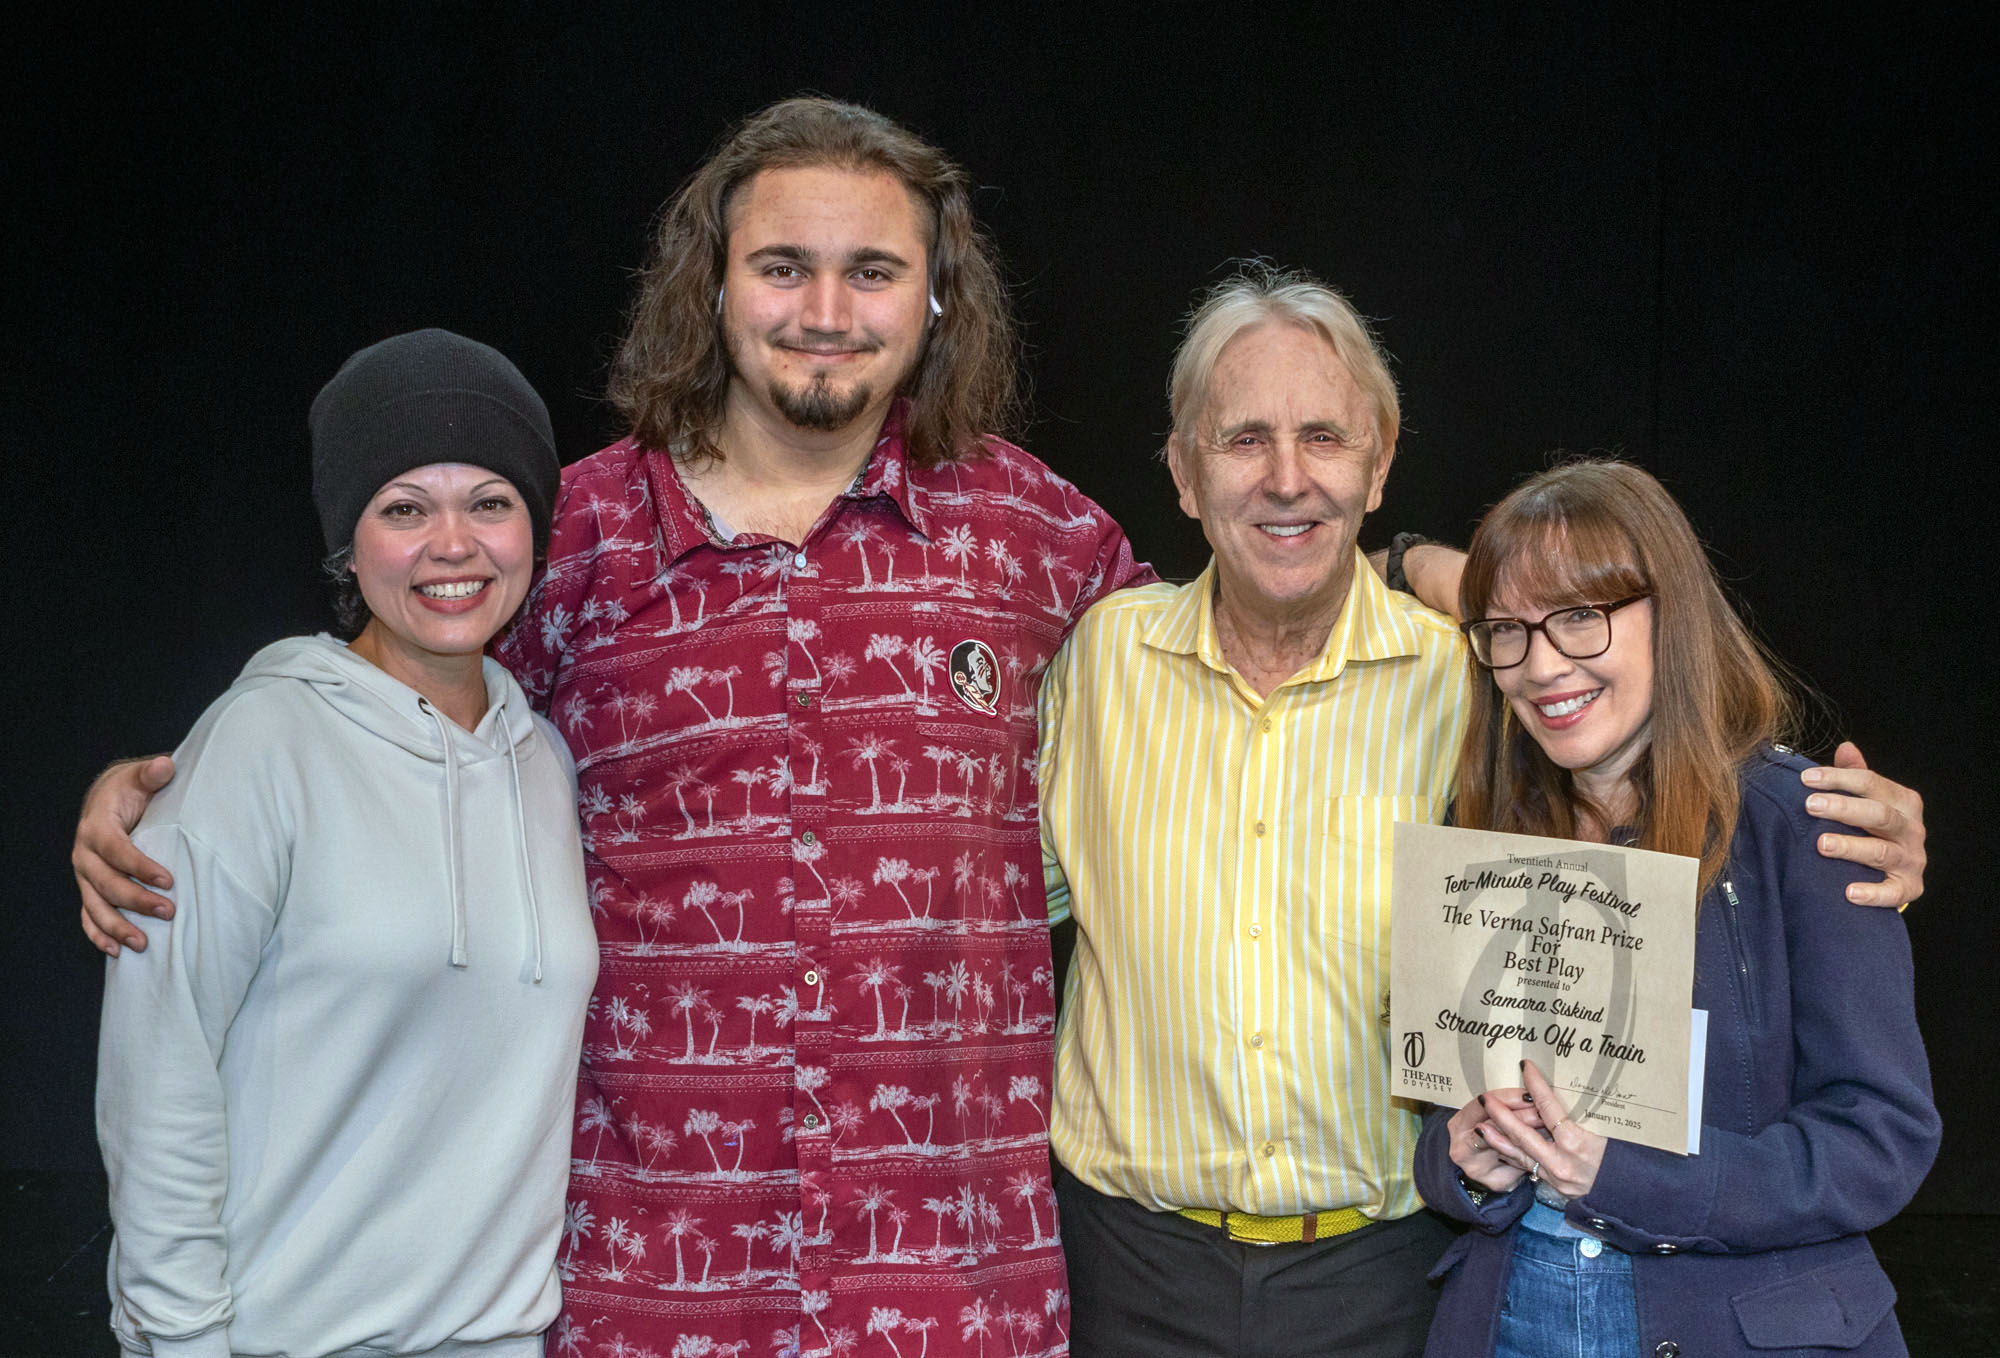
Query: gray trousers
[[1147, 1284]]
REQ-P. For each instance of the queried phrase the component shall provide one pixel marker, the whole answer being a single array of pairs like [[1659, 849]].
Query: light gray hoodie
[[335, 1093]]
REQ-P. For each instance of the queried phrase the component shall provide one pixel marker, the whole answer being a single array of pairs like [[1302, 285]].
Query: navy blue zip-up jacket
[[1817, 1123]]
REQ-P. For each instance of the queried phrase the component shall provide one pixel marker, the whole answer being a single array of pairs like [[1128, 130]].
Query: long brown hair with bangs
[[1596, 531], [670, 378]]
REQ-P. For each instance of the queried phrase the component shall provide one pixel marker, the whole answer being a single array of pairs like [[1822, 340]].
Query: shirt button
[[1267, 723], [799, 560], [812, 978], [810, 1122], [1259, 828], [1269, 1150], [1590, 1248], [808, 839], [805, 701], [1667, 1349], [1257, 1040], [1256, 931]]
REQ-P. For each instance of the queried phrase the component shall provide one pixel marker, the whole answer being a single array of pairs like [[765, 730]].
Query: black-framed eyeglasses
[[1580, 632]]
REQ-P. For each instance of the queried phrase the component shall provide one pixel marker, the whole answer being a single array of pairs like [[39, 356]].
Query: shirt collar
[[1371, 626], [684, 524], [887, 473]]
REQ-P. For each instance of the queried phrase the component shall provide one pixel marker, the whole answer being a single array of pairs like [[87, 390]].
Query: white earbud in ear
[[936, 310], [718, 301]]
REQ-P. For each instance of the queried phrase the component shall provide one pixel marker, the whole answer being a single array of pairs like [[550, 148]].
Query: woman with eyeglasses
[[1621, 700]]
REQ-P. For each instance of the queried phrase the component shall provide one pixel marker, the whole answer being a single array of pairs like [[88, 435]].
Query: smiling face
[[443, 555], [1592, 717], [825, 295], [1283, 460]]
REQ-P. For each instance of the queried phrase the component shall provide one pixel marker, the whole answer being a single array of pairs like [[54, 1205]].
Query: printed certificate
[[1577, 956]]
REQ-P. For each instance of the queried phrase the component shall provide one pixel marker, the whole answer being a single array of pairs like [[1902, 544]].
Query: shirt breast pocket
[[1353, 861]]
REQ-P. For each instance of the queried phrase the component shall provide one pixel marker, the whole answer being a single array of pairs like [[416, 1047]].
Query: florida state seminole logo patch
[[975, 676]]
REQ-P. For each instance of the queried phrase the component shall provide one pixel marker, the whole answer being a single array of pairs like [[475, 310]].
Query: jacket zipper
[[1745, 991]]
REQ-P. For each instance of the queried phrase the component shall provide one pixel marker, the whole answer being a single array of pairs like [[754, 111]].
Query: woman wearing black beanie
[[334, 1094]]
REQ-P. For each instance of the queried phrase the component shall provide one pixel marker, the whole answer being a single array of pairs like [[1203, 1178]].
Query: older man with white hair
[[1221, 764]]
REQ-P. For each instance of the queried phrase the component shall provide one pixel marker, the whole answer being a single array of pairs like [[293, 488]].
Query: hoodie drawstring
[[521, 838], [451, 835], [451, 832]]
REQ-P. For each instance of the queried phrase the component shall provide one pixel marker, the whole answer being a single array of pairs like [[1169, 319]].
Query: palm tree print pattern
[[812, 1118]]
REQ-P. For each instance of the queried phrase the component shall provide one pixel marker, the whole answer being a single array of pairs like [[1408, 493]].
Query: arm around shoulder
[[105, 861], [1416, 565], [1891, 817]]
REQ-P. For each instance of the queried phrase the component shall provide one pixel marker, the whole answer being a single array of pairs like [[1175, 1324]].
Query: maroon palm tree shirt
[[813, 1106]]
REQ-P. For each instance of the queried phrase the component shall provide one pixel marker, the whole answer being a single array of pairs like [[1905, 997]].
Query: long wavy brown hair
[[1596, 531], [671, 375]]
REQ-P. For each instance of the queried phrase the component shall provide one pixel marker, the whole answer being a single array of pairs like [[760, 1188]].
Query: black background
[[1754, 254]]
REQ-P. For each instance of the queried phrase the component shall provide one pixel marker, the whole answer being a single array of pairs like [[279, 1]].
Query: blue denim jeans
[[1569, 1296]]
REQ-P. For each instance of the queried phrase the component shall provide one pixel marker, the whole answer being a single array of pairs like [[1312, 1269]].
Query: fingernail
[[1814, 776], [1524, 1064], [1526, 1095], [1817, 804]]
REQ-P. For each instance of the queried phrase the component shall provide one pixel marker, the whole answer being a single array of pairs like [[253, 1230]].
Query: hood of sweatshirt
[[369, 697], [386, 707]]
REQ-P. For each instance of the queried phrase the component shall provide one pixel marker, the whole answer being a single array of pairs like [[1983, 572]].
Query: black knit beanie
[[428, 396]]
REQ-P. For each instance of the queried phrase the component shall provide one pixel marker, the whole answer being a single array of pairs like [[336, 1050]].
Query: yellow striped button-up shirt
[[1223, 1040]]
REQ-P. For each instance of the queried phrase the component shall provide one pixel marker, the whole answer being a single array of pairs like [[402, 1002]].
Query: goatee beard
[[817, 408]]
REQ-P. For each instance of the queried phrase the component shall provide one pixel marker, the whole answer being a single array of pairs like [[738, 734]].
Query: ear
[[1380, 477], [1180, 462]]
